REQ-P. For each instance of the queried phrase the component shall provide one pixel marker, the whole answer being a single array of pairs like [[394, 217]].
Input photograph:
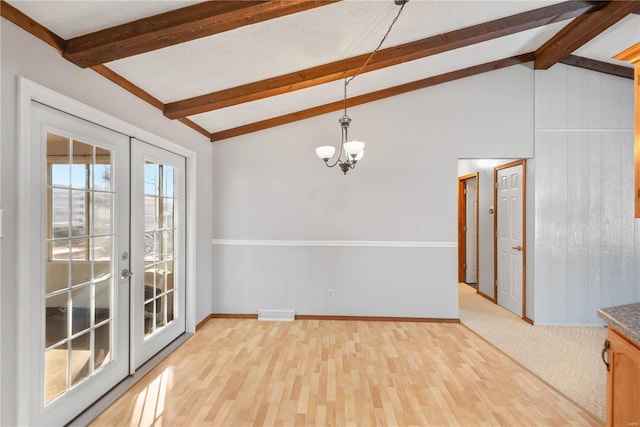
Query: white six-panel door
[[509, 237]]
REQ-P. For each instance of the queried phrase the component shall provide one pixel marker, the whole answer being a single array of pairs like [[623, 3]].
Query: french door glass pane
[[80, 301], [57, 308], [80, 272], [101, 247], [102, 298], [79, 250], [159, 246], [55, 369], [150, 213], [102, 351], [80, 358], [102, 178], [59, 222], [167, 211], [58, 154], [101, 213], [79, 284]]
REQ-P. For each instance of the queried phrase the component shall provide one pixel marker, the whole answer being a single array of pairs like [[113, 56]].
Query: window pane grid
[[160, 234], [79, 279]]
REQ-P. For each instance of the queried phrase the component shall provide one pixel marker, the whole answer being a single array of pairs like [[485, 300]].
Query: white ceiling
[[73, 18], [306, 39], [613, 41], [299, 41]]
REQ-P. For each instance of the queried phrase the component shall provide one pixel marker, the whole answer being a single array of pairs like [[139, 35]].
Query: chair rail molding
[[335, 243]]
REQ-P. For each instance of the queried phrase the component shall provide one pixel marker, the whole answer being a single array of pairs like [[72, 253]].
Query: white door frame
[[471, 270], [523, 163], [30, 91]]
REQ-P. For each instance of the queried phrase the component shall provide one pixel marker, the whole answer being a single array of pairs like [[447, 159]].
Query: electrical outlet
[[330, 294]]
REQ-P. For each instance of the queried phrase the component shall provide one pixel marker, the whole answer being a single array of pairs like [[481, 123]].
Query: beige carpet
[[566, 357]]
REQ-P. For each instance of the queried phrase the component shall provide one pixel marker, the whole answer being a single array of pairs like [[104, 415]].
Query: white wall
[[587, 242], [24, 55], [270, 186]]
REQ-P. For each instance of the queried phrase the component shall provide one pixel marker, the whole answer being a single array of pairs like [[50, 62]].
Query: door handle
[[125, 274], [605, 348], [517, 248]]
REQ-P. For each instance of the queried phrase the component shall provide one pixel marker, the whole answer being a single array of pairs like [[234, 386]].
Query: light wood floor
[[340, 373]]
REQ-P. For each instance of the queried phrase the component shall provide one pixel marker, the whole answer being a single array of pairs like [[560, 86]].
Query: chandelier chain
[[348, 80], [355, 149]]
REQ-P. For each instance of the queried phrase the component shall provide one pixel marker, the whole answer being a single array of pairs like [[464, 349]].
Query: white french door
[[79, 307], [158, 249], [107, 274]]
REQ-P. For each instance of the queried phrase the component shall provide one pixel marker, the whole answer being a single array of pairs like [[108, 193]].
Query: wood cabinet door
[[623, 383]]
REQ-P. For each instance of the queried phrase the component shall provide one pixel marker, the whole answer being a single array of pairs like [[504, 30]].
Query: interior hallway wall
[[587, 242], [24, 55], [383, 237]]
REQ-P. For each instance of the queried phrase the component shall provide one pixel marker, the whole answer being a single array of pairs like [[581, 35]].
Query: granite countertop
[[625, 319]]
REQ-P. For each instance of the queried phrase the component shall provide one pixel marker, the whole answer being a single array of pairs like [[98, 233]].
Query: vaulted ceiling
[[227, 68]]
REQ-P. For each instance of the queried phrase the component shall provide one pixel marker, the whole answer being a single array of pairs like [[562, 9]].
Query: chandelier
[[353, 150]]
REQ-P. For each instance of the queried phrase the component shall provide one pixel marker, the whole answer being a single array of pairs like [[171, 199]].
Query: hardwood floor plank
[[242, 372]]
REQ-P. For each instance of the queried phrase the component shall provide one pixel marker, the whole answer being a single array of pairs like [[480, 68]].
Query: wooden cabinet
[[623, 382], [633, 55]]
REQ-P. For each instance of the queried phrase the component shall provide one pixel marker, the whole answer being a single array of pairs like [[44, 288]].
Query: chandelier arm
[[344, 124], [338, 161]]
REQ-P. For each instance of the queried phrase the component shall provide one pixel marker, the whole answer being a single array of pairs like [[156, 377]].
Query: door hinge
[[465, 191], [497, 186], [464, 266], [464, 228]]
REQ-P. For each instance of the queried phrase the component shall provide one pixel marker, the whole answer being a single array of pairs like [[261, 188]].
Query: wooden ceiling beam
[[116, 78], [177, 26], [580, 31], [371, 97], [599, 66], [384, 58], [127, 85]]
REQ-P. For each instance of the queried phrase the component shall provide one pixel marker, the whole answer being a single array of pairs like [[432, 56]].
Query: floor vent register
[[277, 315]]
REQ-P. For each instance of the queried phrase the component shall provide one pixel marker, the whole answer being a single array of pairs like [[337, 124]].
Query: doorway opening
[[491, 262], [468, 229]]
